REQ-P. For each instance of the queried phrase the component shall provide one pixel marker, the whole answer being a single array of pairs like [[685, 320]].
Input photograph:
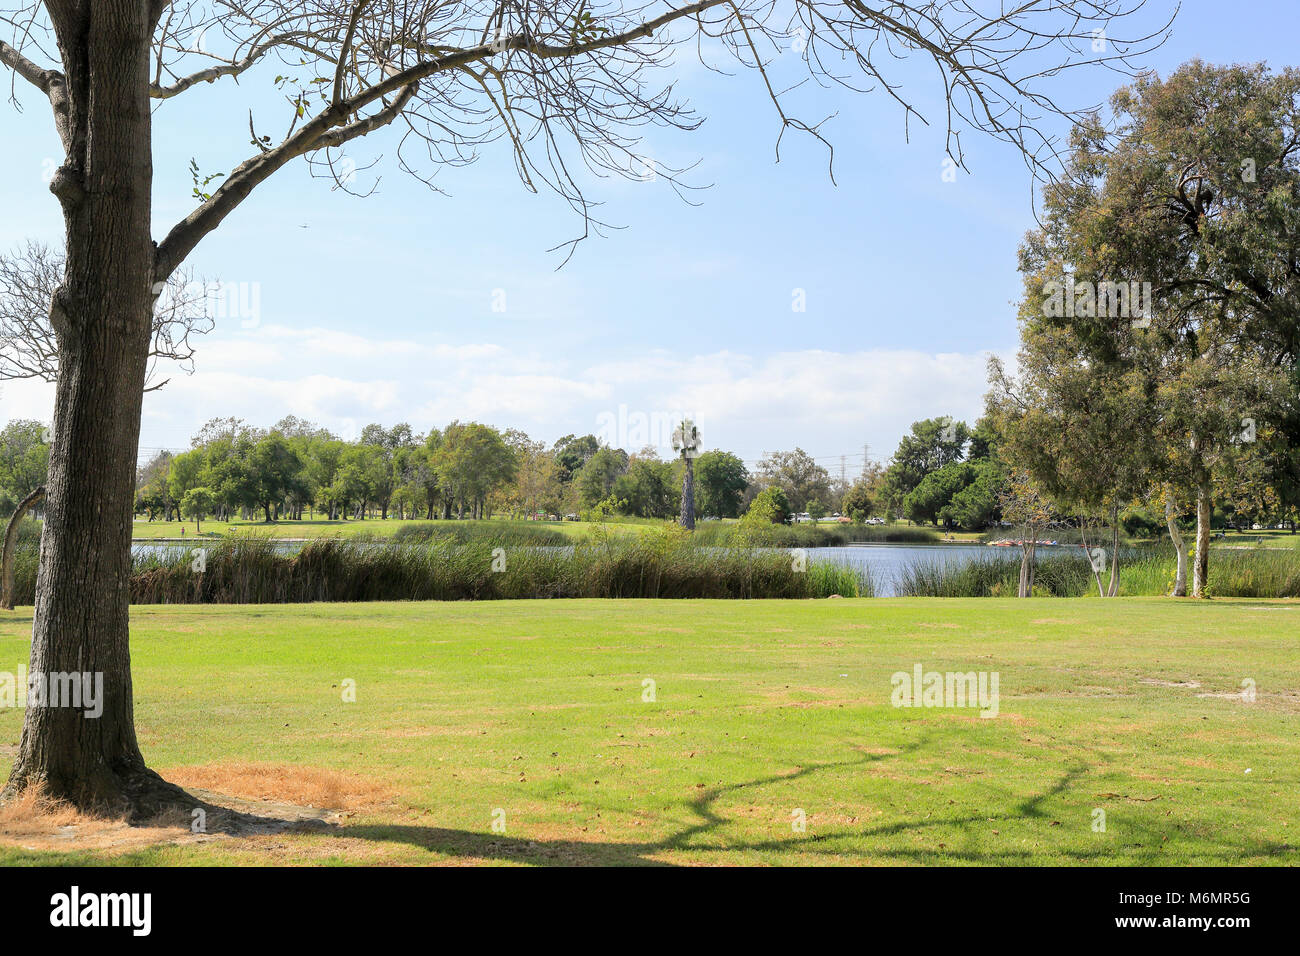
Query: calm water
[[885, 562]]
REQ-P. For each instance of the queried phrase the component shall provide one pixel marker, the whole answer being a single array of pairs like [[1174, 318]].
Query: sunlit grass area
[[538, 716]]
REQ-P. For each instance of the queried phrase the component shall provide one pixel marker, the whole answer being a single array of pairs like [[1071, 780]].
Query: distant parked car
[[570, 517]]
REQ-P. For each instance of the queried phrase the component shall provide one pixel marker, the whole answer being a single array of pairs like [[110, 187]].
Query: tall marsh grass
[[743, 534], [659, 564], [496, 533], [663, 562], [1145, 571]]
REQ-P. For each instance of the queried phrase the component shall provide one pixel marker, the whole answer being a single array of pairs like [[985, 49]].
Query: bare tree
[[564, 85], [29, 347]]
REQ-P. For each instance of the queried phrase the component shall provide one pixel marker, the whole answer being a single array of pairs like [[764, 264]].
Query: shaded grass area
[[538, 710]]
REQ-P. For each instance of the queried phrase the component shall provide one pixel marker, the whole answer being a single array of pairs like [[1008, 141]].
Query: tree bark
[[1087, 554], [688, 496], [1180, 547], [1113, 589], [11, 537], [101, 314], [1201, 566]]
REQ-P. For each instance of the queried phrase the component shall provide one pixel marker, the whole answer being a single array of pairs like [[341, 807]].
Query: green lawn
[[1269, 539], [1131, 707]]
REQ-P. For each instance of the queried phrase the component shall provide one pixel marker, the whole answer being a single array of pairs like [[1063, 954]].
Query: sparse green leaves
[[201, 182]]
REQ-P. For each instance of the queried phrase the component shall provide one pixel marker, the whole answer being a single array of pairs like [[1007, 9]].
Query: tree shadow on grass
[[471, 844], [1142, 846]]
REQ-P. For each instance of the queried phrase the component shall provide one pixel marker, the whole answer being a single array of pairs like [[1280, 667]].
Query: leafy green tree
[[196, 503], [976, 506], [770, 506], [720, 480], [858, 503], [647, 489], [572, 452], [932, 444], [24, 461], [798, 475], [276, 472], [472, 460], [1167, 253], [595, 480], [152, 492], [936, 490]]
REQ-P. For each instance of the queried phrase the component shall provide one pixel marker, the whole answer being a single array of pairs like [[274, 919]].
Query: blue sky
[[382, 309]]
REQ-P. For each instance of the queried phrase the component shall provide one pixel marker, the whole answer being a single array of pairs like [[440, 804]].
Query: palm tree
[[686, 442]]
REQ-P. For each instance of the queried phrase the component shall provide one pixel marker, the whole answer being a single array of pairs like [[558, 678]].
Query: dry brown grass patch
[[33, 812], [315, 787]]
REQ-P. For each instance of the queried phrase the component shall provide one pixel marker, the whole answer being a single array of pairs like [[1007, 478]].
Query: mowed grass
[[535, 710]]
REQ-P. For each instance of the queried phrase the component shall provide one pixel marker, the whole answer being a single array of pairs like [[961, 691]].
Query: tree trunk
[[1087, 554], [688, 496], [1180, 547], [1201, 566], [1033, 564], [102, 316], [11, 537], [1113, 589]]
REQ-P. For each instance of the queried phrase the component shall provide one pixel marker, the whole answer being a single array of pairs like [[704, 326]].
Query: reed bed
[[495, 533], [655, 565], [1144, 571], [662, 562], [743, 534]]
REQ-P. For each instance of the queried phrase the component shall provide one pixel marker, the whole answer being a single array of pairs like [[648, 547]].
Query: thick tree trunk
[[688, 496], [1201, 566], [1180, 548], [101, 313]]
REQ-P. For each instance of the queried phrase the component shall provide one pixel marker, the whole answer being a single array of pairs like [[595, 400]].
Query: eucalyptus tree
[[1081, 429], [562, 85], [1169, 253]]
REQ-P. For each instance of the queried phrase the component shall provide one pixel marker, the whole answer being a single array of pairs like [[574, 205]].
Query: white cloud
[[828, 403]]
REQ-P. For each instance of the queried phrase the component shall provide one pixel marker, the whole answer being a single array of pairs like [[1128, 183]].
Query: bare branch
[[29, 347], [550, 76]]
